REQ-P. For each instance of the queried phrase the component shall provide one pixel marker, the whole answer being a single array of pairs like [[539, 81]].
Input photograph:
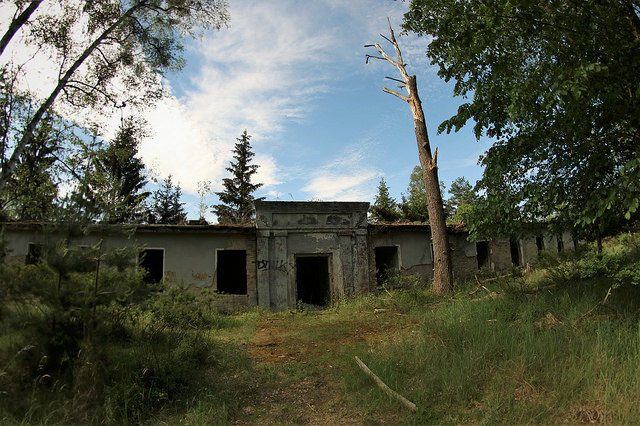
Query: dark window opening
[[312, 280], [34, 253], [232, 271], [560, 244], [482, 250], [515, 252], [386, 262], [152, 262], [540, 243]]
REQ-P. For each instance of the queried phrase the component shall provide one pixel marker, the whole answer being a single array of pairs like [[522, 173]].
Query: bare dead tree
[[442, 276]]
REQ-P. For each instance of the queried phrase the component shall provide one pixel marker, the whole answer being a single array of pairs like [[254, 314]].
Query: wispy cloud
[[347, 177]]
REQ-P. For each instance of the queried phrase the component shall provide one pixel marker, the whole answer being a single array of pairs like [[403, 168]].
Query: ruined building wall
[[287, 231]]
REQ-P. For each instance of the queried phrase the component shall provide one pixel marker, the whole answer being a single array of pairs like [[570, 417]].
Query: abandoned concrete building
[[313, 252]]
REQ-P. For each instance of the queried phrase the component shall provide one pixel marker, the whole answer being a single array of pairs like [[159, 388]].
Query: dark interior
[[386, 260], [312, 280], [232, 271], [540, 243], [152, 261], [515, 252], [482, 250], [34, 253]]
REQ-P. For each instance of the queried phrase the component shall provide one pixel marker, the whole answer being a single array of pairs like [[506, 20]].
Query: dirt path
[[304, 364]]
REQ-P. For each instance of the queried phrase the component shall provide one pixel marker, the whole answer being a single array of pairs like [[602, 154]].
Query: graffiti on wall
[[276, 265]]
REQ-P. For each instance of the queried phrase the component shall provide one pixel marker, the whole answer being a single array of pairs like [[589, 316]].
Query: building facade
[[297, 252]]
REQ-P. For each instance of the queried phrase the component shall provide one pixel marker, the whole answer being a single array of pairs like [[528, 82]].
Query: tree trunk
[[442, 271], [16, 23]]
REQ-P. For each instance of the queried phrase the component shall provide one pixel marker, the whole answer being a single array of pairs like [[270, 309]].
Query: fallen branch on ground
[[410, 405]]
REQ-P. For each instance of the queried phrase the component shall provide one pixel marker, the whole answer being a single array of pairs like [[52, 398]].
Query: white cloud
[[347, 177], [262, 73]]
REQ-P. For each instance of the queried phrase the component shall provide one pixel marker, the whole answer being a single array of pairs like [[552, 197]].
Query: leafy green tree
[[385, 208], [119, 161], [167, 207], [556, 84], [414, 205], [101, 46], [462, 198], [237, 200]]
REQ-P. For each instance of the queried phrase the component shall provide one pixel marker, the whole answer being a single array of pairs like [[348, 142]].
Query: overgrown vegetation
[[560, 343]]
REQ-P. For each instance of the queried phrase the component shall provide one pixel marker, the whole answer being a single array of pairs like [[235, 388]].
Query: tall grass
[[554, 355]]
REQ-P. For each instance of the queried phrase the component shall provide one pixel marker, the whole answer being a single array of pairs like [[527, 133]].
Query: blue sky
[[293, 74]]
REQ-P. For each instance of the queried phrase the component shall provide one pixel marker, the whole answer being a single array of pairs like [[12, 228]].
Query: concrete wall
[[189, 254], [414, 250], [289, 229]]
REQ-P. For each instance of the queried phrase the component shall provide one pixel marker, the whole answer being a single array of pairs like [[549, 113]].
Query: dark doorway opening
[[560, 244], [312, 280], [515, 252], [152, 262], [386, 262], [482, 250], [232, 271], [34, 253], [540, 243]]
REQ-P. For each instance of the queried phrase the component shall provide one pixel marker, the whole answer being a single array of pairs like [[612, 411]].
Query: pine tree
[[167, 207], [125, 171], [31, 191], [385, 208], [237, 200]]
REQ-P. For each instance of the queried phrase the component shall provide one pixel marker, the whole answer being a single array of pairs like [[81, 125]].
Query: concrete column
[[262, 266], [361, 262], [279, 267]]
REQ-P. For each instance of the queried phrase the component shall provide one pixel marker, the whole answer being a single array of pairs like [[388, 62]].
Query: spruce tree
[[167, 207], [31, 191], [385, 208], [125, 171], [237, 200]]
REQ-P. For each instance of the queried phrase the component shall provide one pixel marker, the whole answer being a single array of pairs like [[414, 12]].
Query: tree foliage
[[237, 200], [414, 204], [109, 53], [462, 198], [557, 85], [123, 168], [31, 192], [385, 208], [167, 207]]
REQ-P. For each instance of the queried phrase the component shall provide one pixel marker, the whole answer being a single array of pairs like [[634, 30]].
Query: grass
[[537, 349]]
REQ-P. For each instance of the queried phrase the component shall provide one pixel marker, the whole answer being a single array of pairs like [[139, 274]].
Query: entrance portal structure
[[310, 251]]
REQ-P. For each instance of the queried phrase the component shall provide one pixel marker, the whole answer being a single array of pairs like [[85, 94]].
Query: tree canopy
[[237, 200], [385, 208], [167, 207], [109, 53], [557, 85], [120, 162]]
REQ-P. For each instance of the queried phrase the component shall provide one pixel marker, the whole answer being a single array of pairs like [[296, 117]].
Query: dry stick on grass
[[410, 405]]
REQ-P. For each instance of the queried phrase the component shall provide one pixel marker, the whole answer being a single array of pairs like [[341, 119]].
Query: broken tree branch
[[395, 79], [404, 401], [394, 93]]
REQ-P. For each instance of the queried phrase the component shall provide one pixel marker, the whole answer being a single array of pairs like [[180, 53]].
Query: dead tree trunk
[[442, 274]]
